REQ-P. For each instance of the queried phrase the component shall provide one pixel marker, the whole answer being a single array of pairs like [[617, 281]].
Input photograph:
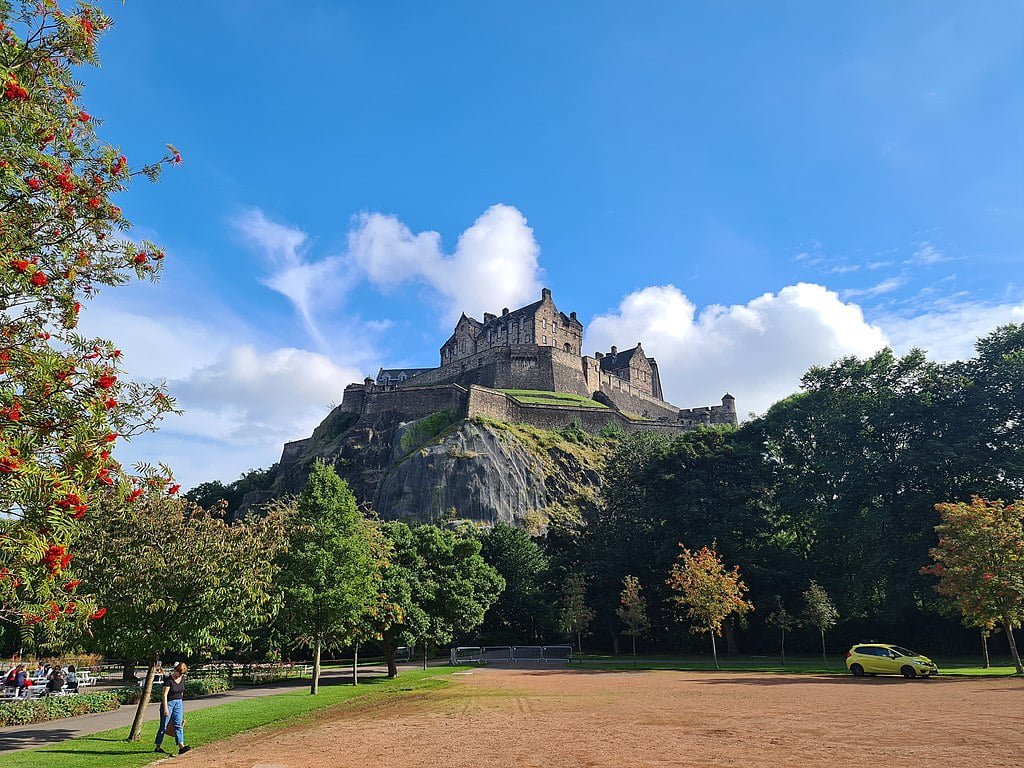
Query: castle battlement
[[538, 347]]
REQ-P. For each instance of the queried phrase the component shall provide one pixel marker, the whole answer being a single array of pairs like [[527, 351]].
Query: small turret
[[545, 293]]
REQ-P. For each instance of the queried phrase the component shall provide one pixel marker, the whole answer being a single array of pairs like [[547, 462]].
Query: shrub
[[55, 707], [613, 431], [203, 686], [427, 428]]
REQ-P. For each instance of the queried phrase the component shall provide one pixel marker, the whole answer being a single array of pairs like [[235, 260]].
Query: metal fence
[[510, 654]]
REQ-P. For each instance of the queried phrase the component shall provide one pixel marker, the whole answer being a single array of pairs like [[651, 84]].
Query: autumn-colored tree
[[784, 621], [632, 610], [63, 403], [575, 615], [176, 579], [708, 590], [979, 561], [820, 612]]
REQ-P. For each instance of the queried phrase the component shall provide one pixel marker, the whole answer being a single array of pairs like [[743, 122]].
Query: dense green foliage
[[329, 568], [435, 586], [837, 484], [55, 707], [524, 610], [228, 497]]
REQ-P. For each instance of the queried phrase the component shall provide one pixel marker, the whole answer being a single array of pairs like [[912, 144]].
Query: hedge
[[203, 686], [55, 707]]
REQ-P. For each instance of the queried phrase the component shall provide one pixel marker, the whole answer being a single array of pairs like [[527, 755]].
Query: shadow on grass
[[30, 737]]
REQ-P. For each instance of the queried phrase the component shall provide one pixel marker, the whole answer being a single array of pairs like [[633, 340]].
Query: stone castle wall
[[410, 403]]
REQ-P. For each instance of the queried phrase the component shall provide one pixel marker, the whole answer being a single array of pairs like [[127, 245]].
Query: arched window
[[567, 347]]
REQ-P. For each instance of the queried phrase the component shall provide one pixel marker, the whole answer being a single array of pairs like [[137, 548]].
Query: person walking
[[172, 712]]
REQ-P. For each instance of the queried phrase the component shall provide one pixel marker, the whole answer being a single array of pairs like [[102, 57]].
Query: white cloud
[[949, 332], [304, 282], [886, 286], [757, 351], [926, 255], [494, 264], [239, 410]]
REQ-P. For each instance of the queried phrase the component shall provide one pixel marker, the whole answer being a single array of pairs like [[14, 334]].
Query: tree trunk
[[615, 642], [314, 689], [424, 655], [579, 645], [355, 665], [1008, 626], [140, 711], [824, 660], [128, 673], [389, 656], [783, 647], [984, 648], [714, 648], [634, 651]]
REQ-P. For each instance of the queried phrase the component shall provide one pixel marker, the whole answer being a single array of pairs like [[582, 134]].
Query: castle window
[[544, 339], [568, 347]]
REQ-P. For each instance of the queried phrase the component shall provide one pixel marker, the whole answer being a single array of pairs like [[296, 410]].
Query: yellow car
[[885, 659]]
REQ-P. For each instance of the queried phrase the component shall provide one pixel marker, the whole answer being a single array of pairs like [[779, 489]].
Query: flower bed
[[55, 707], [202, 687]]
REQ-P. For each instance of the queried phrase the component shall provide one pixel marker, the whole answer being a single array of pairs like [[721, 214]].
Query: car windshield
[[902, 651]]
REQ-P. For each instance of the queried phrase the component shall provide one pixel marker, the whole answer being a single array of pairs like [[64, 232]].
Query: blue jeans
[[175, 714]]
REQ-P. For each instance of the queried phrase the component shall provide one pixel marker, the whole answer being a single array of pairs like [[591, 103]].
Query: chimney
[[573, 314], [615, 351], [598, 355], [545, 293], [488, 316], [504, 311]]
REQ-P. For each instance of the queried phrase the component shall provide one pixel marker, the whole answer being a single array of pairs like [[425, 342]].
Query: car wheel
[[857, 669], [908, 672]]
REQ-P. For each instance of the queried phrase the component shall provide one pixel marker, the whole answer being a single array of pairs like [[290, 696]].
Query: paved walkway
[[40, 734]]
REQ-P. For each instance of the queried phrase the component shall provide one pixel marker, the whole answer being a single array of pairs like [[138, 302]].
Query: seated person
[[71, 679], [56, 682]]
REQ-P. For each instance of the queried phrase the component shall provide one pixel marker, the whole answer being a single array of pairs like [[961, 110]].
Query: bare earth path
[[572, 719]]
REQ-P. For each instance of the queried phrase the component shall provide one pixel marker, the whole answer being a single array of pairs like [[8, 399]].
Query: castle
[[485, 367]]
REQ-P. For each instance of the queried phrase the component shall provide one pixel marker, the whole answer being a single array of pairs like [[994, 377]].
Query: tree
[[784, 621], [329, 568], [63, 404], [632, 610], [522, 612], [979, 561], [434, 586], [820, 612], [575, 615], [176, 579], [709, 591]]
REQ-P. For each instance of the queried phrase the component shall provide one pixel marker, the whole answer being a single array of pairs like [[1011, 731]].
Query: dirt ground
[[562, 719]]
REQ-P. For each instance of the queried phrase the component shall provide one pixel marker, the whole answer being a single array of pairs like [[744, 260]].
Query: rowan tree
[[820, 612], [329, 570], [575, 615], [708, 590], [63, 403], [979, 561], [784, 621], [632, 610], [176, 579]]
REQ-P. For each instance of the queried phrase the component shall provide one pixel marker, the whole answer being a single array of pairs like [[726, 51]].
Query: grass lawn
[[794, 664], [542, 397], [110, 750]]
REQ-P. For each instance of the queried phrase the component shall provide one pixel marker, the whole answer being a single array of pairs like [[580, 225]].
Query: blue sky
[[749, 188]]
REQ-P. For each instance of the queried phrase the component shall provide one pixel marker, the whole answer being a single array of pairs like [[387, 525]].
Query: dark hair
[[71, 667]]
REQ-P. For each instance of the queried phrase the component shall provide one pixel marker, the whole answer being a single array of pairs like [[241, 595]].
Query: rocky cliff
[[442, 467]]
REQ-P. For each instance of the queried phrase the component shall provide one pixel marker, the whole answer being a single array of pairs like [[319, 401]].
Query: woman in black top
[[172, 713]]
